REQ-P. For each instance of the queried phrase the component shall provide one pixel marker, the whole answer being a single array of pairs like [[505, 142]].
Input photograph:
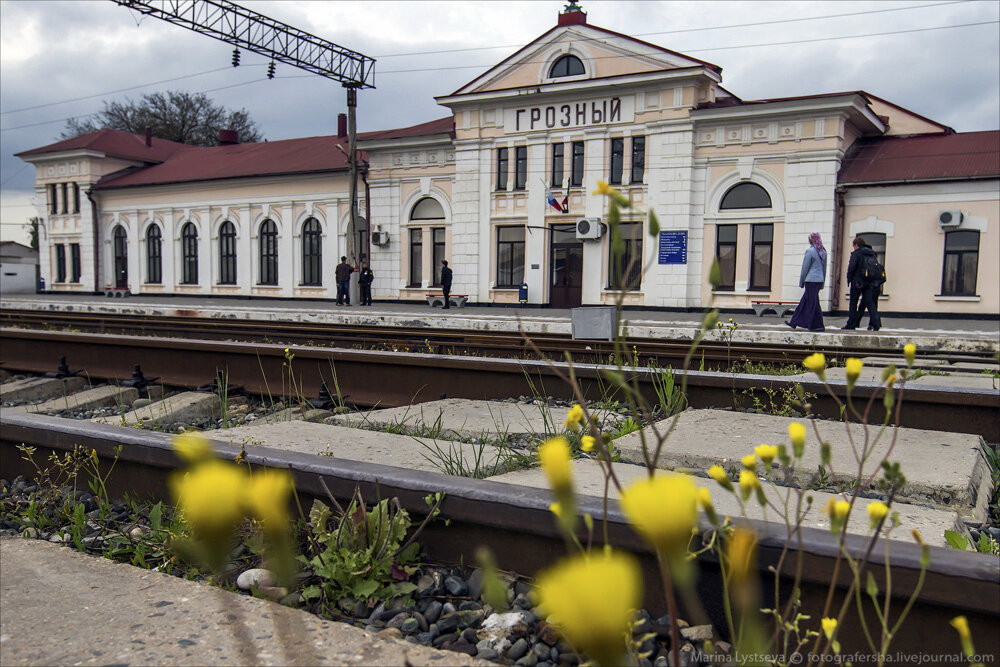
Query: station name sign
[[570, 114]]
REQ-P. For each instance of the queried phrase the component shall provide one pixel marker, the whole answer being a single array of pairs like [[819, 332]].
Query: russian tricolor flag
[[563, 207]]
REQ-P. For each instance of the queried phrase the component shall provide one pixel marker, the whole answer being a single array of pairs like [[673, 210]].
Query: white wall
[[17, 278]]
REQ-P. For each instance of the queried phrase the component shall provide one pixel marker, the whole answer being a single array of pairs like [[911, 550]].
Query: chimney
[[149, 137], [573, 14], [228, 137], [341, 125]]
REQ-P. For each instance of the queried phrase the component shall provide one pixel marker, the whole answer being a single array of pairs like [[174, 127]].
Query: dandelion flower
[[663, 509], [749, 461], [717, 473], [704, 497], [604, 189], [556, 508], [748, 483], [910, 352], [766, 453], [270, 491], [740, 554], [829, 626], [853, 368], [588, 443], [211, 498], [797, 433], [574, 418], [591, 599], [554, 455], [816, 362], [876, 512], [193, 446], [961, 625]]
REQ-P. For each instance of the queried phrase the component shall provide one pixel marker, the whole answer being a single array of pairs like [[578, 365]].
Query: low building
[[503, 188], [18, 268]]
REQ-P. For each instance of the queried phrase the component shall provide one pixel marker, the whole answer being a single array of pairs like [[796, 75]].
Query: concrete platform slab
[[588, 480], [39, 388], [357, 444], [66, 608], [98, 397], [182, 407], [941, 468], [964, 380], [464, 418]]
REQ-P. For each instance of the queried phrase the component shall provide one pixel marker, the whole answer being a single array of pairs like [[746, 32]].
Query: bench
[[116, 292], [779, 308], [457, 300]]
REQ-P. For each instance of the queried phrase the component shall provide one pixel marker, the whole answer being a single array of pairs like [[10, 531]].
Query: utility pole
[[246, 29]]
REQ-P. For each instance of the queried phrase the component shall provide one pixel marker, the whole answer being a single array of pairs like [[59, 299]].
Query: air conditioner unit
[[380, 238], [590, 228], [950, 219]]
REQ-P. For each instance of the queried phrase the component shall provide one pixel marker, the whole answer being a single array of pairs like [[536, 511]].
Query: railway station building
[[502, 187]]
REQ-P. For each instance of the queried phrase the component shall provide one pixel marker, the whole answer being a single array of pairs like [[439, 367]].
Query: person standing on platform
[[808, 314], [861, 288], [343, 275], [365, 283], [446, 283]]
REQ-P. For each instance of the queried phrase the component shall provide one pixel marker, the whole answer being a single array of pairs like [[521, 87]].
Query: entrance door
[[566, 262], [121, 257]]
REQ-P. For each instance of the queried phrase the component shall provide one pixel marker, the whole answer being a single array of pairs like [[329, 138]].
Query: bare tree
[[187, 118]]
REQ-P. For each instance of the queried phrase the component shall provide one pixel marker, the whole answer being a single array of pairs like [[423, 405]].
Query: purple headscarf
[[817, 242]]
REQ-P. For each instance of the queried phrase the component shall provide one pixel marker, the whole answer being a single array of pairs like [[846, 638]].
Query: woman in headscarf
[[808, 314]]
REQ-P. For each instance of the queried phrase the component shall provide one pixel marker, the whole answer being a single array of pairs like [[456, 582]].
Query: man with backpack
[[865, 276]]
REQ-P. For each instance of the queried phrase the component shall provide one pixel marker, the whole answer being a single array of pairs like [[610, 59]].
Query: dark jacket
[[856, 266], [446, 277], [366, 277], [343, 272]]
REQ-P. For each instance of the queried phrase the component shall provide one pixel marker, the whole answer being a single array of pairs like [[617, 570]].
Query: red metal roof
[[922, 157], [444, 125], [114, 143]]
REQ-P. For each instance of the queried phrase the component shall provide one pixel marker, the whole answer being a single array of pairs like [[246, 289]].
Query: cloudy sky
[[60, 59]]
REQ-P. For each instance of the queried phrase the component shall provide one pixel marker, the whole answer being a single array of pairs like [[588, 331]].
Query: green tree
[[32, 228], [187, 118]]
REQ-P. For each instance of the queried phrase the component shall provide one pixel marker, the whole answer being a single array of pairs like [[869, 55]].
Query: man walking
[[343, 275], [862, 288], [446, 283], [365, 283]]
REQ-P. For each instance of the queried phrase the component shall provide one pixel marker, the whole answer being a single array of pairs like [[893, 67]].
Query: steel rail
[[515, 522], [389, 379]]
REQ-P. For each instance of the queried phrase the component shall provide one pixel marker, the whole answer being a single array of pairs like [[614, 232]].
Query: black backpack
[[872, 273]]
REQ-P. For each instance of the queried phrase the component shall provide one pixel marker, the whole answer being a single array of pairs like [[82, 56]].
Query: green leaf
[[364, 588], [311, 592], [156, 516], [955, 540], [654, 224]]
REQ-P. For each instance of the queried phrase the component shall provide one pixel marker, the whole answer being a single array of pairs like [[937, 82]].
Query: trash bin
[[522, 293]]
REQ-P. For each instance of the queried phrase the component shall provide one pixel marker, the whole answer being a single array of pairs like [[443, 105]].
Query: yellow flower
[[556, 508], [766, 453], [604, 189], [705, 500], [591, 599], [797, 432], [740, 554], [717, 473], [211, 498], [917, 537], [748, 483], [829, 626], [574, 418], [749, 462], [270, 492], [816, 362], [193, 446], [838, 511], [554, 455], [876, 512], [961, 625], [853, 367], [910, 352], [891, 380], [587, 443], [663, 510]]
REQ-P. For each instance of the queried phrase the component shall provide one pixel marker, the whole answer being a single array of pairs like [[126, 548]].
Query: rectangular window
[[437, 238], [576, 177], [60, 263], [761, 237], [725, 253], [557, 165], [416, 258], [64, 204], [625, 268], [74, 262], [510, 256], [76, 197], [617, 161], [53, 203], [961, 263], [638, 159], [501, 169], [520, 167]]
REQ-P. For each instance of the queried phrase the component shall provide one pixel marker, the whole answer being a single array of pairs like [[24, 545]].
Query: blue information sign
[[673, 247]]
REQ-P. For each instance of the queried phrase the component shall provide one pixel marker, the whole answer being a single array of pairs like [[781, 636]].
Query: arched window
[[566, 66], [189, 254], [427, 211], [427, 208], [745, 195], [312, 253], [154, 255], [227, 253], [268, 253], [121, 256]]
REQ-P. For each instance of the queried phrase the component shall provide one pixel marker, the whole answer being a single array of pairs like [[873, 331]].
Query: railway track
[[712, 355], [390, 379], [517, 524]]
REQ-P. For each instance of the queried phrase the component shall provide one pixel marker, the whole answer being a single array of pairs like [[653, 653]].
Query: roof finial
[[572, 7]]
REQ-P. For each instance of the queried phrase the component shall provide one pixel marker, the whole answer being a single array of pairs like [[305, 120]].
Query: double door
[[565, 267]]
